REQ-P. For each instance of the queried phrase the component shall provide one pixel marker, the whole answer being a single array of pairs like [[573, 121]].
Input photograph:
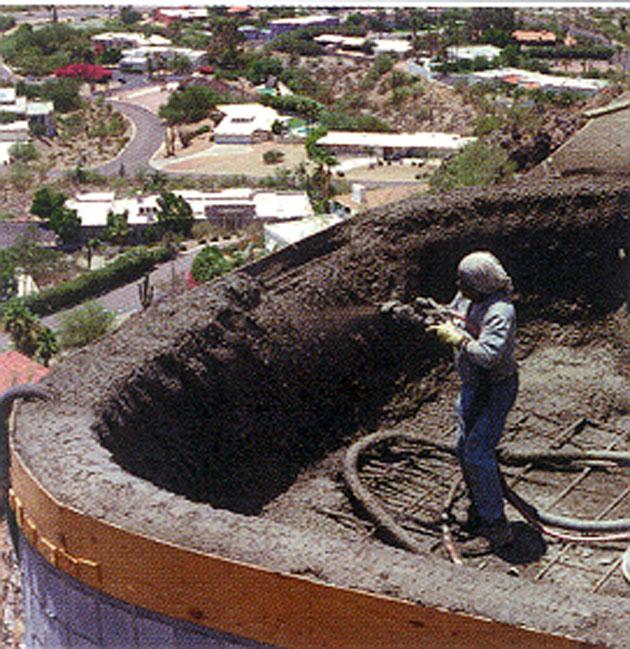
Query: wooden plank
[[246, 600]]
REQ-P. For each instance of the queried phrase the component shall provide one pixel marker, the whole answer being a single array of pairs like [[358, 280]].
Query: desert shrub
[[202, 230], [23, 151], [273, 156], [477, 164], [84, 324], [212, 262]]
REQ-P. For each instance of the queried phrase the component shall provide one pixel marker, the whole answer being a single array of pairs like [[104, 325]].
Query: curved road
[[148, 136]]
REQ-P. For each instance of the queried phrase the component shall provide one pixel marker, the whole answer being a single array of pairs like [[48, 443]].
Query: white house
[[472, 52], [230, 208], [138, 59], [36, 113], [339, 42], [244, 123], [399, 46], [393, 145], [125, 40], [14, 132]]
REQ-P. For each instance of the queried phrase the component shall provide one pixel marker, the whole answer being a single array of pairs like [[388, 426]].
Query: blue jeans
[[481, 412]]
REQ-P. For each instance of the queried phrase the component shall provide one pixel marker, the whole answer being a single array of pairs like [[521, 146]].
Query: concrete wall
[[61, 612]]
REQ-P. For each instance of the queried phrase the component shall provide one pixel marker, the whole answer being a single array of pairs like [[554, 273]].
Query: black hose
[[386, 522]]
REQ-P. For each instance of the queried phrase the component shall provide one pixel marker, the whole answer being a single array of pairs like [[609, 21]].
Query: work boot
[[498, 533], [487, 538]]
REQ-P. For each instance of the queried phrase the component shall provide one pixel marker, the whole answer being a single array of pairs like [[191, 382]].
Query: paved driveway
[[148, 136]]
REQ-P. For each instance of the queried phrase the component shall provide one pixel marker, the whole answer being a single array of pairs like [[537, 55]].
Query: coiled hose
[[608, 530]]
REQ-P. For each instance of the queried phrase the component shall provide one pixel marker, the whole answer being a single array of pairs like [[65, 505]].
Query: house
[[280, 235], [245, 123], [283, 25], [537, 80], [253, 33], [472, 52], [230, 208], [10, 134], [142, 58], [239, 10], [393, 146], [38, 114], [534, 37], [339, 43], [398, 46], [15, 132], [168, 15], [17, 369], [126, 40]]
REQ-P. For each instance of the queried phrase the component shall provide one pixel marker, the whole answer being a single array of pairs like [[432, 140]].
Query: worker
[[482, 332]]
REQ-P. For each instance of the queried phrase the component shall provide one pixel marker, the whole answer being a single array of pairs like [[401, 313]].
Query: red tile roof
[[15, 369]]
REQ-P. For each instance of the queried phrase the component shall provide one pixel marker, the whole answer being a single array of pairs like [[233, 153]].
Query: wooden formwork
[[283, 610]]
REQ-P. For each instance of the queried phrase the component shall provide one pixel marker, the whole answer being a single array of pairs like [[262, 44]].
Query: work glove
[[449, 334]]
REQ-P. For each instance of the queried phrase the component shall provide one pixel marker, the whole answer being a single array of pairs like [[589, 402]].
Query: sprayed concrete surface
[[211, 419]]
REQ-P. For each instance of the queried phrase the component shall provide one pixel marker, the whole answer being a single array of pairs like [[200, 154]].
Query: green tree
[[225, 46], [477, 164], [8, 284], [491, 18], [66, 224], [181, 64], [23, 327], [117, 229], [46, 201], [261, 68], [129, 16], [175, 214], [35, 259], [84, 324], [64, 93], [110, 56], [21, 176], [321, 187], [190, 104], [6, 22], [46, 345]]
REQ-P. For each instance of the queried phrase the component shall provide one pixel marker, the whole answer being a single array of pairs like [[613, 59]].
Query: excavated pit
[[217, 419]]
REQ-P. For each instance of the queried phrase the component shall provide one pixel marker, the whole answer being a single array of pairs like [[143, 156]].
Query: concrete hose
[[26, 391], [385, 522], [377, 514]]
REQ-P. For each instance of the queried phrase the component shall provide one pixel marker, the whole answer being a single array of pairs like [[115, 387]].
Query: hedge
[[600, 52], [128, 267]]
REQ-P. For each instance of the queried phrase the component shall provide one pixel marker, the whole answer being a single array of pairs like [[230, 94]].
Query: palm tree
[[22, 325]]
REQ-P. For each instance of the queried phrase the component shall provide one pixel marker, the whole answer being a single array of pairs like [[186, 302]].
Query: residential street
[[148, 135]]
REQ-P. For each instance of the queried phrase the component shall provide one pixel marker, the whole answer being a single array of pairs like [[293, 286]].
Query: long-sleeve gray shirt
[[492, 325]]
